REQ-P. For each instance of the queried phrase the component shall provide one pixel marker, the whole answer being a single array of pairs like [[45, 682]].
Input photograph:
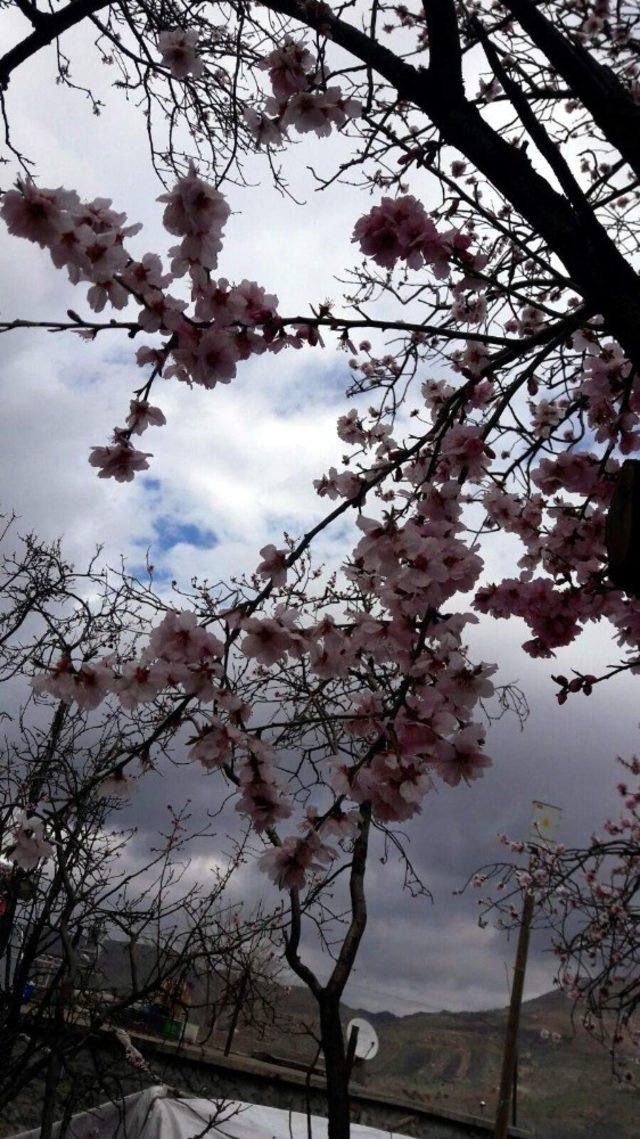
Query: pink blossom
[[318, 111], [473, 359], [143, 415], [336, 823], [201, 678], [216, 745], [469, 309], [462, 758], [464, 449], [215, 300], [545, 415], [180, 639], [141, 276], [104, 292], [530, 320], [266, 131], [215, 359], [334, 485], [366, 716], [400, 229], [504, 509], [119, 462], [578, 472], [252, 304], [87, 685], [100, 218], [414, 737], [27, 842], [105, 255], [331, 654], [193, 207], [425, 718], [195, 253], [350, 428], [395, 229], [57, 682], [178, 51], [289, 864], [139, 683], [550, 613], [436, 394], [289, 66], [38, 215], [263, 798], [92, 683], [304, 334], [274, 565], [441, 503], [152, 356], [266, 640], [395, 787], [463, 685]]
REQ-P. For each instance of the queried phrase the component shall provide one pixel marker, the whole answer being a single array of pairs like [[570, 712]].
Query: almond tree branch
[[47, 27], [598, 88]]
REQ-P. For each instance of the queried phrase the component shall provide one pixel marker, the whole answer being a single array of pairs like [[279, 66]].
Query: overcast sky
[[231, 471]]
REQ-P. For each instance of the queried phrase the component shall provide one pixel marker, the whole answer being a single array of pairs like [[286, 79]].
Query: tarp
[[162, 1113]]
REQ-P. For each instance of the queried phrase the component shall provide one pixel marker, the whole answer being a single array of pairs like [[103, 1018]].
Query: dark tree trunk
[[328, 997], [335, 1059]]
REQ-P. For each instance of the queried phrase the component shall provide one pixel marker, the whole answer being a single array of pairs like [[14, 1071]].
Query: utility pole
[[511, 1036], [236, 1010], [543, 826]]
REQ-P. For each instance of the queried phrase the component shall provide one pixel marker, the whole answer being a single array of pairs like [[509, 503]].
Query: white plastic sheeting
[[161, 1113]]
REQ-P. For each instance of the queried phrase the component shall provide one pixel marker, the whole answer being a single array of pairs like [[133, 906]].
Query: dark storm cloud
[[420, 954]]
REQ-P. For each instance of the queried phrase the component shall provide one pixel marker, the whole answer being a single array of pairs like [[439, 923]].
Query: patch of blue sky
[[93, 368], [150, 484], [315, 387], [118, 351], [171, 531]]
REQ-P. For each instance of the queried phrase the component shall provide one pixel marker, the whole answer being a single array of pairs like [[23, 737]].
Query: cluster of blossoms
[[289, 864], [426, 736], [604, 386], [230, 323], [300, 100], [400, 229], [408, 565], [563, 530]]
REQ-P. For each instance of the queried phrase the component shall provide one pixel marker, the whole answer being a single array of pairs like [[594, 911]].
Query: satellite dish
[[367, 1043]]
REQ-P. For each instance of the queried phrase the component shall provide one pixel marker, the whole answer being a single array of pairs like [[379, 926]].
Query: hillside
[[565, 1089]]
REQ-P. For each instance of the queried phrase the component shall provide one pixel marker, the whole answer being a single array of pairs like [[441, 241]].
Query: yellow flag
[[544, 823]]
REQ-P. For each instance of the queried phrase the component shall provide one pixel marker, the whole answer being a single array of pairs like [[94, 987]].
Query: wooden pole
[[514, 1103], [236, 1011], [511, 1035]]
